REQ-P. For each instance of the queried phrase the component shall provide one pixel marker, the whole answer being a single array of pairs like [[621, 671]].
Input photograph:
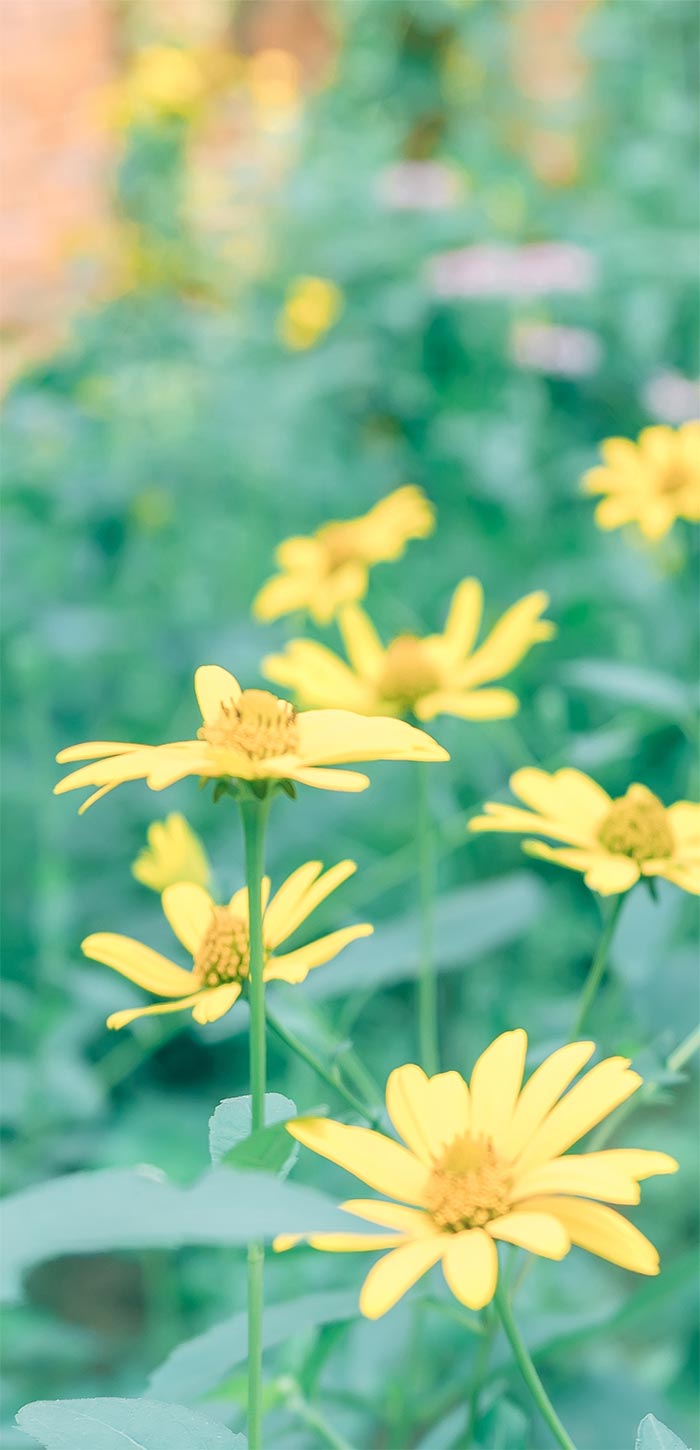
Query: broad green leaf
[[112, 1424], [631, 685], [270, 1150], [196, 1367], [85, 1213], [652, 1435]]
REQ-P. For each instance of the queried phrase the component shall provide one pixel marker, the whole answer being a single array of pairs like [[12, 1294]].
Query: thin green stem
[[595, 975], [528, 1371], [428, 1037], [328, 1075], [254, 813]]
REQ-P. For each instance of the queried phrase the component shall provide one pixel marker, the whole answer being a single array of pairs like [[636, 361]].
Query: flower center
[[223, 954], [408, 670], [258, 723], [637, 826], [341, 544], [674, 479], [469, 1186]]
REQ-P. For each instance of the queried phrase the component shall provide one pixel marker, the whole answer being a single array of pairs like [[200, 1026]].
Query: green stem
[[333, 1079], [528, 1371], [428, 1038], [598, 964], [254, 814]]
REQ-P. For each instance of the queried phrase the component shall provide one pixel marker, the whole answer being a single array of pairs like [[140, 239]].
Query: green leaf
[[652, 1435], [269, 1150], [631, 685], [112, 1424], [196, 1367]]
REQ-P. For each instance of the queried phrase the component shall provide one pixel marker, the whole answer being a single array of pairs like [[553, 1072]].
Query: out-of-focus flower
[[494, 270], [163, 82], [651, 483], [250, 735], [672, 398], [421, 186], [442, 674], [329, 568], [174, 853], [567, 352], [555, 156], [311, 307], [274, 82], [488, 1162], [613, 842], [217, 937]]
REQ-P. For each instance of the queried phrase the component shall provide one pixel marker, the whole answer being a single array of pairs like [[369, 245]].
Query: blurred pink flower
[[567, 352], [673, 398], [493, 269], [419, 186]]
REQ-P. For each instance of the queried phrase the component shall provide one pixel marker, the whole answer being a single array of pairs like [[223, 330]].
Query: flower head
[[162, 83], [651, 482], [613, 842], [217, 938], [329, 568], [174, 853], [251, 735], [311, 306], [438, 674], [486, 1162]]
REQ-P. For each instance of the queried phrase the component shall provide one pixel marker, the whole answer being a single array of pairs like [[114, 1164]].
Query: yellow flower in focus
[[485, 1163], [218, 939], [174, 853], [250, 735], [163, 82], [613, 842], [311, 306], [650, 483], [442, 674], [329, 568]]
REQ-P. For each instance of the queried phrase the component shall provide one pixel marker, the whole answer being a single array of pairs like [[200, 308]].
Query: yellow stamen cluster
[[637, 826], [469, 1186], [223, 954], [408, 670], [340, 544], [258, 723]]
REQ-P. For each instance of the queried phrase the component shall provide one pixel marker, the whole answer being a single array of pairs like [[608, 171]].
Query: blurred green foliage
[[150, 469]]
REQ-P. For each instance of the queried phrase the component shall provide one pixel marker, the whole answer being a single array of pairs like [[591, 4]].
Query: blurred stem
[[428, 1039], [528, 1371], [595, 975], [254, 815], [329, 1075], [480, 1367], [311, 1416]]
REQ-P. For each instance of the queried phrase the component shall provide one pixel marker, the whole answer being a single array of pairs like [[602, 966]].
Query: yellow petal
[[510, 639], [395, 1274], [332, 737], [295, 966], [566, 795], [427, 1112], [283, 594], [410, 1221], [680, 873], [639, 1163], [470, 1266], [340, 1243], [318, 678], [602, 872], [602, 1231], [372, 1157], [122, 1019], [511, 819], [468, 704], [96, 750], [131, 764], [684, 820], [539, 1233], [540, 1093], [216, 1002], [344, 780], [301, 893], [189, 909], [362, 643], [584, 1174], [238, 904], [597, 1094], [464, 618], [214, 687], [495, 1084], [139, 963]]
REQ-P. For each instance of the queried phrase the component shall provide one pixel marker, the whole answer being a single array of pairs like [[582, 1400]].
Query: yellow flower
[[331, 567], [612, 841], [250, 735], [441, 674], [488, 1162], [174, 853], [311, 306], [217, 938], [162, 82], [651, 482]]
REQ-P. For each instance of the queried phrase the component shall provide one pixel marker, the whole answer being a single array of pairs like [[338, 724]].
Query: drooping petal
[[372, 1157], [540, 1093], [322, 779], [397, 1272], [410, 1221], [495, 1084], [214, 687], [148, 969], [427, 1112], [189, 910], [157, 1009], [539, 1233], [301, 893], [295, 966], [216, 1002], [602, 872], [470, 1266], [602, 1231], [601, 1090], [333, 737]]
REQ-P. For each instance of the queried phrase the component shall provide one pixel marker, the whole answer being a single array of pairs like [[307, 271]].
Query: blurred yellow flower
[[441, 674], [613, 842], [250, 735], [174, 853], [162, 82], [488, 1162], [650, 483], [311, 306], [324, 570], [217, 938], [274, 82]]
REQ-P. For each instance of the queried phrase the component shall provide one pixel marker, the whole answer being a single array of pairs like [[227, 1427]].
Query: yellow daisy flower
[[174, 853], [218, 939], [651, 482], [486, 1163], [613, 841], [254, 736], [311, 307], [331, 567], [442, 674]]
